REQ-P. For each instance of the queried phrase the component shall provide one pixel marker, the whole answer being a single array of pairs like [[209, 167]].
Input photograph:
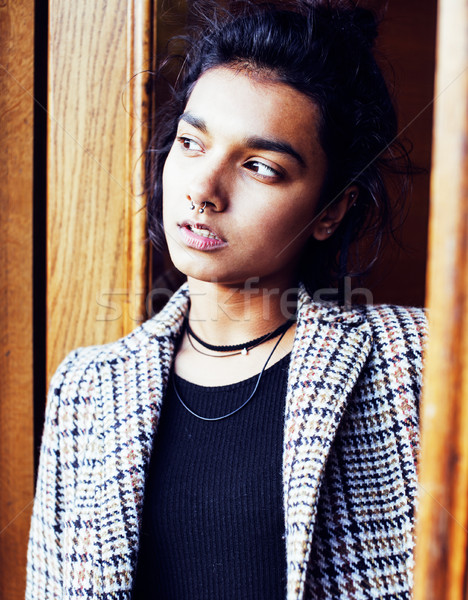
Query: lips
[[200, 237]]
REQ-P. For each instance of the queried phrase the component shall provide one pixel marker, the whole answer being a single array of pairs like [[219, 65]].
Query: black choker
[[240, 348], [236, 410]]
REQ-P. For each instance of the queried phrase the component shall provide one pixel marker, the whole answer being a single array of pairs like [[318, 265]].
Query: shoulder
[[396, 361], [87, 367], [399, 325], [380, 319], [395, 333]]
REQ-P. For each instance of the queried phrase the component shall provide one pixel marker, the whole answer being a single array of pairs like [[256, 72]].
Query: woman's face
[[247, 151]]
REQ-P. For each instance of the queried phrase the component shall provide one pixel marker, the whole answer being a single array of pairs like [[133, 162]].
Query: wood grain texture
[[140, 42], [16, 245], [441, 568], [96, 253]]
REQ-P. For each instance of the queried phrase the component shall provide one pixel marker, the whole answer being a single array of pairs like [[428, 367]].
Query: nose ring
[[202, 209], [192, 205]]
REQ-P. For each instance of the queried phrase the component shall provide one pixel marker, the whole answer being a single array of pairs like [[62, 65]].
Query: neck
[[226, 314]]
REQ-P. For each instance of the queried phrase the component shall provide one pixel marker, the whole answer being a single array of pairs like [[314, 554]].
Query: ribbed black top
[[213, 524]]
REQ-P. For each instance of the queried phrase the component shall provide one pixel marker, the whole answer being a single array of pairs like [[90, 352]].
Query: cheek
[[292, 223]]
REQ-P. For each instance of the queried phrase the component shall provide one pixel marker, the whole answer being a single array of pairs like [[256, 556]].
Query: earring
[[202, 209], [329, 231], [192, 205]]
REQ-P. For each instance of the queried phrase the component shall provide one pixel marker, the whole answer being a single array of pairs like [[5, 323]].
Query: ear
[[331, 216]]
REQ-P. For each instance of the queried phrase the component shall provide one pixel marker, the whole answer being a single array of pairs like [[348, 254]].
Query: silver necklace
[[242, 405], [213, 355]]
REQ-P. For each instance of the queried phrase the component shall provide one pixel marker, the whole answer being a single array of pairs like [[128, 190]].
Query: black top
[[213, 525]]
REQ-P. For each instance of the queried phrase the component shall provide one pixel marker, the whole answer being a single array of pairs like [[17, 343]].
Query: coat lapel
[[330, 350]]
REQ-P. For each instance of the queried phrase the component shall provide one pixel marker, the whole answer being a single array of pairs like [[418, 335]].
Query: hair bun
[[355, 24]]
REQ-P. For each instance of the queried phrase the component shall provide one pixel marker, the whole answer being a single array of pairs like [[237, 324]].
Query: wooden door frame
[[16, 284], [441, 557]]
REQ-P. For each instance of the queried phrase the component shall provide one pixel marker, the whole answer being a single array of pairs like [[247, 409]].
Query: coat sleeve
[[69, 393]]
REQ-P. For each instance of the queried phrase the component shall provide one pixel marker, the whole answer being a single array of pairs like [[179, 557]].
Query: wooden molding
[[139, 52], [95, 232], [441, 558], [16, 289]]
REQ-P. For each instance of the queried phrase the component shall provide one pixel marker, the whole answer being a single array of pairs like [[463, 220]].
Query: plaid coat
[[349, 462]]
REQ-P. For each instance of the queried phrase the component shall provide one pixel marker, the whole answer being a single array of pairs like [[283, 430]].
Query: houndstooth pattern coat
[[349, 462]]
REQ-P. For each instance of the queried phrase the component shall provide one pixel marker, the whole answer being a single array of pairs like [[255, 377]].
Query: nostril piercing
[[192, 205], [202, 209]]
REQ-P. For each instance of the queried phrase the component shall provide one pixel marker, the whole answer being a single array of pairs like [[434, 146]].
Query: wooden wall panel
[[407, 43], [441, 567], [96, 253], [16, 290]]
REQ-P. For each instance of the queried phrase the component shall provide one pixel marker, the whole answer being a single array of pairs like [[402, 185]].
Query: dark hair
[[327, 54]]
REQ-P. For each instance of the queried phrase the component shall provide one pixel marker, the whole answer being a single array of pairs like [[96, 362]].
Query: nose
[[207, 186]]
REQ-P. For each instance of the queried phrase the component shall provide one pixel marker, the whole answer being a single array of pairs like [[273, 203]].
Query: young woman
[[252, 440]]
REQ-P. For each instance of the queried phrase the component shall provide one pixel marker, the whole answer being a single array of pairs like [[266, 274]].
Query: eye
[[188, 144], [262, 170]]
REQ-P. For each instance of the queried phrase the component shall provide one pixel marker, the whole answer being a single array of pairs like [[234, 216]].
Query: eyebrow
[[274, 146], [254, 142], [196, 122]]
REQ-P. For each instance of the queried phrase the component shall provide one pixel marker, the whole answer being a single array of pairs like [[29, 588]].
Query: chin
[[208, 268], [210, 274], [193, 268]]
